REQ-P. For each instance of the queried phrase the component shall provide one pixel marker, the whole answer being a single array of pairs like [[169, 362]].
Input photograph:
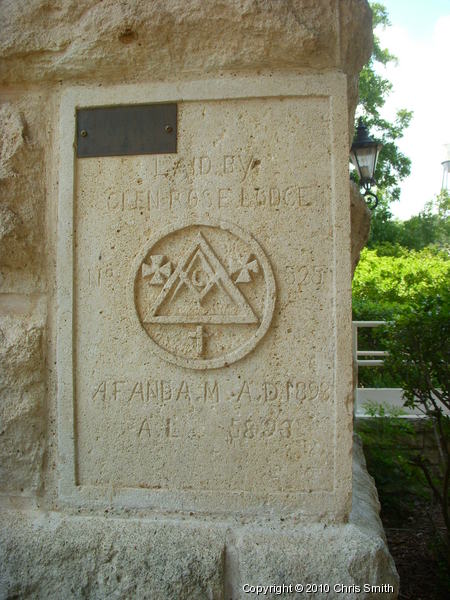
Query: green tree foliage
[[393, 165], [430, 227]]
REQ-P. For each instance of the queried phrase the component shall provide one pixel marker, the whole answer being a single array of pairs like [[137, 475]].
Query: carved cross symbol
[[159, 270], [245, 272], [199, 337]]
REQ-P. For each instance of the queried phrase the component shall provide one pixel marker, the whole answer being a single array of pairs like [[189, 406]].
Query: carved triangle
[[219, 282]]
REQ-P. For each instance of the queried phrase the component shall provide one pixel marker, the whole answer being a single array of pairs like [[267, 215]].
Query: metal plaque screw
[[168, 128], [83, 133]]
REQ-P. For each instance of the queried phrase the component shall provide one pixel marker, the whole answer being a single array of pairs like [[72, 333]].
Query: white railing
[[357, 353], [392, 397], [374, 358]]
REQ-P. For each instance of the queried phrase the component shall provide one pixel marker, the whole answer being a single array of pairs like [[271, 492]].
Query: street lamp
[[364, 154]]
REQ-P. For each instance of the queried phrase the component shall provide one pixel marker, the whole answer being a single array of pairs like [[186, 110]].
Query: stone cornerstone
[[177, 235]]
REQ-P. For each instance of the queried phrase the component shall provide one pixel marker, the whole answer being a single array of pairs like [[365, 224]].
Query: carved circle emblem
[[204, 294]]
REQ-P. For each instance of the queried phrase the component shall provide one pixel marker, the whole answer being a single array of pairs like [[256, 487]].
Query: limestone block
[[204, 304], [12, 127], [360, 223], [49, 555], [22, 215], [12, 140], [353, 555], [58, 557], [356, 34], [343, 556], [22, 190], [162, 39], [22, 415], [9, 222]]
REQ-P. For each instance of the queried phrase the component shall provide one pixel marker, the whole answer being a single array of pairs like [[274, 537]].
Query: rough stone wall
[[86, 39], [25, 132], [48, 45]]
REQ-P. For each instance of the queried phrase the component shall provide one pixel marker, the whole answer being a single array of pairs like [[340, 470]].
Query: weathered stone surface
[[22, 393], [9, 223], [207, 284], [161, 39], [12, 127], [365, 504], [343, 556], [53, 556], [352, 555], [355, 18], [22, 190], [360, 223], [22, 217]]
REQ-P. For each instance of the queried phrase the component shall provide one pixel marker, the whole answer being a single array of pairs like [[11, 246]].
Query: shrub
[[389, 280], [418, 343], [389, 446], [392, 278]]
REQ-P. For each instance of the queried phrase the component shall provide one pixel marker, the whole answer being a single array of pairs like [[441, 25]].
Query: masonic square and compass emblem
[[204, 293]]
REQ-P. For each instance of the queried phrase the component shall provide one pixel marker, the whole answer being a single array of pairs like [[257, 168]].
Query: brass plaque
[[127, 130]]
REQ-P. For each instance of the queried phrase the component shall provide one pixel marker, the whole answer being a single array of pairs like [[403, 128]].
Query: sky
[[419, 36]]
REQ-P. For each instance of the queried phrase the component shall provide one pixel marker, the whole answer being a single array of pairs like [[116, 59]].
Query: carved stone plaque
[[204, 293], [200, 363]]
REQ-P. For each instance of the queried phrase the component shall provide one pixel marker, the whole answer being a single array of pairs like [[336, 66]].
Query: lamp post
[[364, 155]]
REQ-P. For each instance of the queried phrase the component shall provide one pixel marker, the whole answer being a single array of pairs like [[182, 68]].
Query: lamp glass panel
[[364, 160]]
